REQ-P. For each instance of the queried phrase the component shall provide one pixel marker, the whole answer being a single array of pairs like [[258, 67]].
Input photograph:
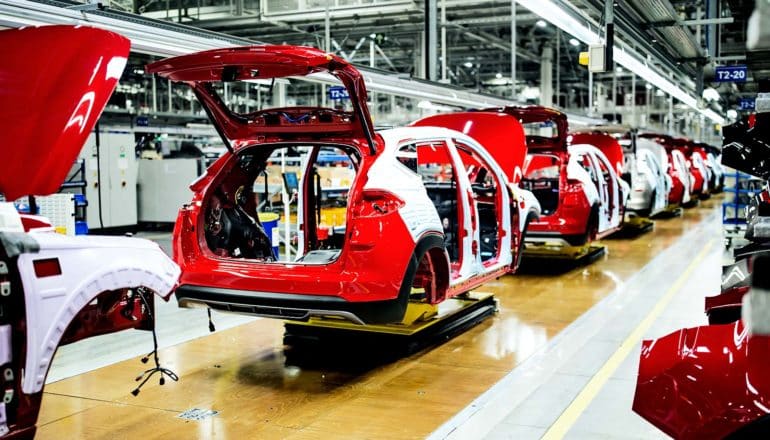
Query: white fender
[[89, 265]]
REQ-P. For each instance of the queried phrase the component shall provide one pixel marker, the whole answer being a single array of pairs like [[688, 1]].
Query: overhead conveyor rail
[[162, 38]]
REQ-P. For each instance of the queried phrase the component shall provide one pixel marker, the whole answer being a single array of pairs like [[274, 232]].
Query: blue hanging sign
[[338, 93], [731, 74], [746, 104]]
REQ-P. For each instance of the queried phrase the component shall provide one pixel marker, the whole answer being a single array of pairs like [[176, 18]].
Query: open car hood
[[606, 143], [534, 114], [201, 70], [51, 99], [501, 135]]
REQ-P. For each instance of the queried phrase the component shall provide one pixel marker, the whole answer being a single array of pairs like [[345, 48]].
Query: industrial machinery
[[111, 169]]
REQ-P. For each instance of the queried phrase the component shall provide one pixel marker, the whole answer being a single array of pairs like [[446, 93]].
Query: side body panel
[[89, 266]]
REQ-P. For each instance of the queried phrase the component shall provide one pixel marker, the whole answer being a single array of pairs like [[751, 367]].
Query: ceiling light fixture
[[541, 23], [574, 42]]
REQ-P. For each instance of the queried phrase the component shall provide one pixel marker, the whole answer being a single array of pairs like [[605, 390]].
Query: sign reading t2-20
[[731, 74]]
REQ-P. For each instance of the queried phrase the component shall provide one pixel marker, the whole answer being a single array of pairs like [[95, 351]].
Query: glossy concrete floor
[[516, 375]]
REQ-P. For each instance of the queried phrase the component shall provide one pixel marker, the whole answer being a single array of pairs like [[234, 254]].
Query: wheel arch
[[49, 311]]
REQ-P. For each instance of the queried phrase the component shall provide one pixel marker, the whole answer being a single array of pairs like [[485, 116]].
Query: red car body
[[575, 216], [391, 242], [705, 382]]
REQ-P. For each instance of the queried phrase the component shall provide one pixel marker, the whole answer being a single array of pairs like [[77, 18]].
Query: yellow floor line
[[570, 415]]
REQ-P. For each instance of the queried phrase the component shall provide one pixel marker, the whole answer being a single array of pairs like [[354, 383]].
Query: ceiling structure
[[681, 39]]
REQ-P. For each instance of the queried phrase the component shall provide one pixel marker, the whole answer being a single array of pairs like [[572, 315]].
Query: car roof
[[396, 136]]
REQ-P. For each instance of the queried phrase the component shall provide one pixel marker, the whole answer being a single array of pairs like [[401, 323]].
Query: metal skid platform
[[671, 211], [424, 325], [635, 226], [564, 253]]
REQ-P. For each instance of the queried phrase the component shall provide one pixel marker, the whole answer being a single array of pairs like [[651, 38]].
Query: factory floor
[[558, 360]]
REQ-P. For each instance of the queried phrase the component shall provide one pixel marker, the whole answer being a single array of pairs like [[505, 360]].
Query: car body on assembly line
[[411, 217], [509, 151], [57, 289], [714, 163], [678, 170], [640, 166], [580, 193], [694, 159]]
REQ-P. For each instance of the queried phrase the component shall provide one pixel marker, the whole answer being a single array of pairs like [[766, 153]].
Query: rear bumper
[[297, 307], [539, 238]]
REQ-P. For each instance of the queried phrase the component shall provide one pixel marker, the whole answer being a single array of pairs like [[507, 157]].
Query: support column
[[711, 30], [371, 54], [444, 52], [546, 76], [279, 95], [557, 64], [634, 122], [670, 115], [590, 93], [513, 50], [431, 40], [614, 94]]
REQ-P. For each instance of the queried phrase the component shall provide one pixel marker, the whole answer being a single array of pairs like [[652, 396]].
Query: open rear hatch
[[251, 63], [545, 128], [51, 100], [606, 143], [501, 135]]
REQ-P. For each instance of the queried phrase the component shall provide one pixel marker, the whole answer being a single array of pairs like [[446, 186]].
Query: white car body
[[611, 197], [650, 184], [419, 213]]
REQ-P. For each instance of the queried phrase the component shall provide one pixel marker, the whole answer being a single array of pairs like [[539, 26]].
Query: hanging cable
[[212, 329], [147, 374]]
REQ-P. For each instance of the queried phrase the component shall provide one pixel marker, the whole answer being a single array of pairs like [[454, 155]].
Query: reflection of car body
[[580, 194], [711, 381], [414, 219], [736, 280], [58, 289]]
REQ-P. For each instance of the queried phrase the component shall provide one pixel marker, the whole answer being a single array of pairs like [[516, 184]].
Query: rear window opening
[[244, 212], [541, 178]]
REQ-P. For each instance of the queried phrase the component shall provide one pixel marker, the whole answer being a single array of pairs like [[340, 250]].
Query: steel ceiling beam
[[161, 38]]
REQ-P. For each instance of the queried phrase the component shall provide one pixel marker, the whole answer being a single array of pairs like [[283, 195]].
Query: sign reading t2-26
[[731, 74]]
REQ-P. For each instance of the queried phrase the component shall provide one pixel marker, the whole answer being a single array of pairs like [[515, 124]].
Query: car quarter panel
[[53, 301]]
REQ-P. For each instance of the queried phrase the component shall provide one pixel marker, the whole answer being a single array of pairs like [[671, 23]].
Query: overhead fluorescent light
[[550, 11]]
